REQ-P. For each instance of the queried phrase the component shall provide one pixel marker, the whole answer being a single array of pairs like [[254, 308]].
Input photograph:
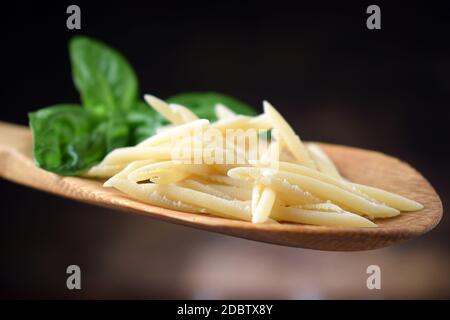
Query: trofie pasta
[[233, 169]]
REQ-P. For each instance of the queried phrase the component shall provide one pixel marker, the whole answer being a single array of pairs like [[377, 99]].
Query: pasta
[[178, 131], [293, 141], [193, 165], [324, 164], [234, 192], [165, 172], [391, 199], [264, 205], [321, 189], [223, 112], [173, 113], [242, 122], [184, 114], [341, 219], [207, 188]]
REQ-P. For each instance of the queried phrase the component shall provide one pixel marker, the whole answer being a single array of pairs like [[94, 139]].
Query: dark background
[[335, 80]]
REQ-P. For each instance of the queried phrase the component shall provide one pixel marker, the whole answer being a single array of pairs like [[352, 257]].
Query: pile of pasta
[[302, 185]]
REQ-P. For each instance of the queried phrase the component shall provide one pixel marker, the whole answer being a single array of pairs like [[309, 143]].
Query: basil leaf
[[202, 104], [65, 139], [105, 80], [117, 132], [143, 122], [69, 139]]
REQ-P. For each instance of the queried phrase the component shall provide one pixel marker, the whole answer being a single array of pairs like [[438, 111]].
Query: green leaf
[[68, 139], [117, 131], [104, 78], [143, 122], [65, 139], [202, 103]]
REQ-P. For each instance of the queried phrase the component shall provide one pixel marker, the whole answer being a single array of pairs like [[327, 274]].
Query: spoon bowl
[[357, 165]]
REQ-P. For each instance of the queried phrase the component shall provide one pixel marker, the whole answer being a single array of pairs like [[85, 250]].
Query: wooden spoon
[[358, 165]]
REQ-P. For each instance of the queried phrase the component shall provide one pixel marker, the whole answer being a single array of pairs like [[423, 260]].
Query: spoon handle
[[16, 162]]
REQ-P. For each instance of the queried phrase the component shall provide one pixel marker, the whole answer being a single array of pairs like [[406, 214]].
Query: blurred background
[[335, 80]]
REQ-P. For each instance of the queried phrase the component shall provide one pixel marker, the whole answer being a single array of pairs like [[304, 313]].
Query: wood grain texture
[[358, 165]]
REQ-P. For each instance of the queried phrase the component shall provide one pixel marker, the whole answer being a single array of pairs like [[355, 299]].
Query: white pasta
[[166, 171], [256, 195], [164, 109], [326, 206], [344, 219], [292, 141], [239, 193], [229, 123], [323, 162], [243, 122], [128, 154], [223, 207], [149, 193], [223, 112], [184, 114], [390, 199], [129, 168], [165, 128], [264, 206], [207, 188], [228, 181], [172, 133], [190, 165], [104, 170], [305, 171], [323, 190]]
